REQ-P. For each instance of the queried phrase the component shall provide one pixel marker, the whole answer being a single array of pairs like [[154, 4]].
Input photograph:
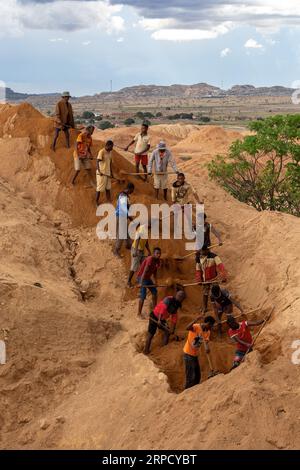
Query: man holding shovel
[[83, 153], [146, 278], [182, 192], [223, 303], [208, 267], [122, 218], [104, 173], [198, 333], [241, 334], [166, 309], [161, 158], [139, 245]]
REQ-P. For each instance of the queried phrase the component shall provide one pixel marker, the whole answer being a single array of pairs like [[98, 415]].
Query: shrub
[[105, 125], [263, 170], [88, 115], [129, 121]]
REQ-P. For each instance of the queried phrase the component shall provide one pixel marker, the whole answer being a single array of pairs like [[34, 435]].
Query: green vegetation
[[181, 116], [144, 115], [129, 121], [105, 125], [88, 115], [263, 170]]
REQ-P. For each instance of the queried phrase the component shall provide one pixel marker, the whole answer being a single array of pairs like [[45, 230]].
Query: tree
[[129, 121], [204, 119], [140, 115], [158, 115], [263, 169], [148, 115], [105, 125], [88, 115]]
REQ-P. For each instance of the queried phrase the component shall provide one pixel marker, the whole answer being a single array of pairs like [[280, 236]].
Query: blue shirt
[[122, 205]]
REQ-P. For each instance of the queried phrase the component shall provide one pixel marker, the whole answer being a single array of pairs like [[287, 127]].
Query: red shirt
[[153, 265], [167, 308], [243, 333]]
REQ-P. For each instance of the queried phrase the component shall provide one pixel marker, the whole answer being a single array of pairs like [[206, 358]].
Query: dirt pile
[[73, 345], [171, 133]]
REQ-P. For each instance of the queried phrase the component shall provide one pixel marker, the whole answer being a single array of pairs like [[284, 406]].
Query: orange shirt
[[84, 143], [191, 347]]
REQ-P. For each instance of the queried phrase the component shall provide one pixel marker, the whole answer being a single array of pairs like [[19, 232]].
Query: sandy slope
[[73, 346]]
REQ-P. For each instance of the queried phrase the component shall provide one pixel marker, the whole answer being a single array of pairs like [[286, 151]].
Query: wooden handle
[[242, 314], [194, 252]]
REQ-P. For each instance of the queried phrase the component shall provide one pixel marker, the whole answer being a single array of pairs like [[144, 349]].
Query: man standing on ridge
[[142, 146], [161, 158], [64, 119]]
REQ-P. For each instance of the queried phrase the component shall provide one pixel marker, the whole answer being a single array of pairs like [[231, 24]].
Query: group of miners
[[145, 263]]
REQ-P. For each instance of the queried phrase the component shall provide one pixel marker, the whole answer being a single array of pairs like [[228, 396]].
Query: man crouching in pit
[[164, 310]]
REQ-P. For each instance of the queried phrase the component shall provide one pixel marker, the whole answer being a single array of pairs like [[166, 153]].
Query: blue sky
[[49, 46]]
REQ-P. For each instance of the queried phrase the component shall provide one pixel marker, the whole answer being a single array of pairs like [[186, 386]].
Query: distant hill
[[11, 95], [199, 90]]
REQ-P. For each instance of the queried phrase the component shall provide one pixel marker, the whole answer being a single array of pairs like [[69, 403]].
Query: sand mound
[[207, 140], [73, 344], [172, 134]]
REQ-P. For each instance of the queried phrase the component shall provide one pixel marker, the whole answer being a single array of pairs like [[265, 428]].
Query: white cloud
[[120, 40], [191, 34], [86, 43], [225, 52], [67, 15], [203, 18], [253, 44]]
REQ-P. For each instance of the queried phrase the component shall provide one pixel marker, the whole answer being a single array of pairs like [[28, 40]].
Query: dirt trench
[[77, 203]]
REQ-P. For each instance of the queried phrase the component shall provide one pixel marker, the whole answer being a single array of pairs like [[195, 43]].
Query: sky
[[80, 46]]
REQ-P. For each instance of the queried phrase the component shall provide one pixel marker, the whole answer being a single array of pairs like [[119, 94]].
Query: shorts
[[80, 163], [206, 289], [103, 183], [141, 159], [152, 327], [160, 181], [143, 289], [136, 260], [228, 309], [239, 355]]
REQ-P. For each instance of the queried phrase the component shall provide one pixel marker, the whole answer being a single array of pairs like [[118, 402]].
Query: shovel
[[112, 177], [268, 317], [182, 258], [212, 372]]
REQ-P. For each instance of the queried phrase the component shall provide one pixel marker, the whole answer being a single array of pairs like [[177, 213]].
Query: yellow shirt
[[141, 143], [141, 238], [84, 144], [105, 159], [191, 347]]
